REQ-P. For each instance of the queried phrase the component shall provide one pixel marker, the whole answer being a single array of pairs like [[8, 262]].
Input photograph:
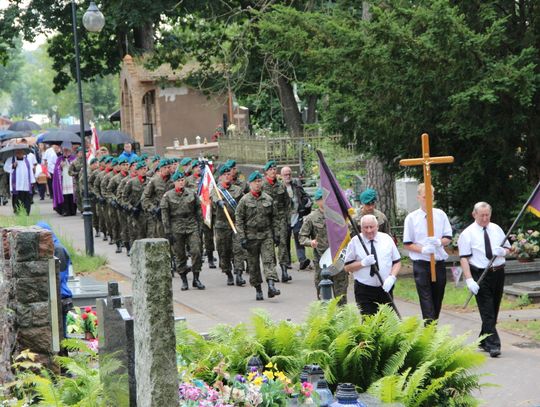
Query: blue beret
[[177, 175], [368, 196], [318, 194], [269, 165], [254, 175], [223, 169], [140, 164], [231, 163], [185, 161]]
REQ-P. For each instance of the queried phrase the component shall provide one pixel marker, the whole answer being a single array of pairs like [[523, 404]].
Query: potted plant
[[526, 244]]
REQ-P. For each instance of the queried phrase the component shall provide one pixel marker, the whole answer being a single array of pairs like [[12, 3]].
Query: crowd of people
[[134, 197]]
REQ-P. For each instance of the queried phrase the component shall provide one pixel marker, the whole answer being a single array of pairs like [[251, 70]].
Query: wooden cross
[[426, 162]]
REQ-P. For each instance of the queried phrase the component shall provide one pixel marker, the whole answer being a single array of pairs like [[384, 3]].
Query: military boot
[[118, 246], [211, 260], [111, 241], [285, 277], [105, 237], [259, 295], [185, 285], [196, 282], [272, 290], [230, 278], [97, 233], [127, 245], [239, 280]]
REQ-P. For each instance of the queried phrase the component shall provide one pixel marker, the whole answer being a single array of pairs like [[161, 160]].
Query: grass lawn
[[454, 297], [81, 262], [528, 328]]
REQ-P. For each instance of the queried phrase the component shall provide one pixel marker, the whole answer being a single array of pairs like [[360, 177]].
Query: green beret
[[223, 169], [318, 194], [114, 161], [121, 160], [79, 149], [194, 163], [231, 163], [140, 164], [254, 175], [144, 156], [156, 158], [102, 158], [108, 159], [134, 159], [93, 160], [185, 161], [269, 165], [368, 196], [177, 175], [162, 163]]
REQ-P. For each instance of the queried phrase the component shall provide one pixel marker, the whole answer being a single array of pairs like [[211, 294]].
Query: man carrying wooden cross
[[426, 231]]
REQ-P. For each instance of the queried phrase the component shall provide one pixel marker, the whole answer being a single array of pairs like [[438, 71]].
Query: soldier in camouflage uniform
[[152, 168], [132, 198], [237, 178], [92, 172], [122, 205], [182, 217], [228, 245], [4, 185], [313, 234], [273, 187], [185, 163], [368, 198], [152, 194], [111, 190], [102, 179], [256, 224]]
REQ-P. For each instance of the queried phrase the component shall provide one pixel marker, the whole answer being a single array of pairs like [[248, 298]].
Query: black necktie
[[487, 244], [374, 253]]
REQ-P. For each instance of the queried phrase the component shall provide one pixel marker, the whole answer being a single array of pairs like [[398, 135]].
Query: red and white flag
[[94, 143], [205, 190]]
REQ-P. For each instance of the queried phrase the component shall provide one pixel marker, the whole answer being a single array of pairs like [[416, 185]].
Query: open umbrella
[[9, 151], [24, 125], [60, 136], [10, 134], [114, 137], [76, 128]]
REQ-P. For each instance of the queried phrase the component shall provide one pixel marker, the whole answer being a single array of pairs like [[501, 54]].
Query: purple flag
[[534, 204], [336, 207]]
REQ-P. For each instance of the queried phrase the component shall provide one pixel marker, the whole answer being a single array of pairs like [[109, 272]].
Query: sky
[[26, 45]]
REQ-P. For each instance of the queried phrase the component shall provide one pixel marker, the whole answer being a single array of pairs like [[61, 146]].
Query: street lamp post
[[93, 21]]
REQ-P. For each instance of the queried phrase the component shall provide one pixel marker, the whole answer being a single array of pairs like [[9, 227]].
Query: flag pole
[[220, 196], [345, 211], [483, 275]]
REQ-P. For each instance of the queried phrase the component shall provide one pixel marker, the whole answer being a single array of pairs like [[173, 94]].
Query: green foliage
[[398, 361]]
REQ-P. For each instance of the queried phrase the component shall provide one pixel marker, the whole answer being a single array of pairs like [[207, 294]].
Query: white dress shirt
[[51, 157], [471, 244], [415, 231], [24, 177], [387, 255]]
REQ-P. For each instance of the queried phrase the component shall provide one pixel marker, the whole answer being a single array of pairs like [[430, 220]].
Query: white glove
[[389, 283], [428, 249], [499, 251], [472, 285], [368, 260], [431, 240]]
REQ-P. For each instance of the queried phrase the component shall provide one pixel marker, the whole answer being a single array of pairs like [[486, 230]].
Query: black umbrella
[[9, 151], [114, 137], [24, 125], [76, 128], [60, 136], [10, 134]]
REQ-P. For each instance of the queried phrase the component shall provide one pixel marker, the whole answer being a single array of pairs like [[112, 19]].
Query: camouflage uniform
[[151, 197], [75, 171], [93, 198], [227, 242], [239, 182], [4, 184], [382, 220], [314, 228], [123, 211], [181, 215], [114, 210], [256, 222], [100, 186], [279, 195], [132, 198]]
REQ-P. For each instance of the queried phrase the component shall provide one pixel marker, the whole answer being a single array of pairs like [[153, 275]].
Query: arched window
[[149, 117]]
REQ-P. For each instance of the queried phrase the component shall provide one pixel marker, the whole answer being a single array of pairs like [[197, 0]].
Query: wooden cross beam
[[426, 160]]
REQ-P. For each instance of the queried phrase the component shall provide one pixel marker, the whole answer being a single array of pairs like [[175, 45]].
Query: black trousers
[[368, 298], [68, 207], [22, 199], [489, 300], [430, 293], [50, 186]]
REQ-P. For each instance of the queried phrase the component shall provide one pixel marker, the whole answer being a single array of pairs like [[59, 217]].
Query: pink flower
[[94, 313], [88, 309], [84, 316]]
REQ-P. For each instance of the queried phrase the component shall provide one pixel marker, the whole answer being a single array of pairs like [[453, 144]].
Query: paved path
[[516, 372]]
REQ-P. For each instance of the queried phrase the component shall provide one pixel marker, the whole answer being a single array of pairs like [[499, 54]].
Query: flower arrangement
[[83, 322], [526, 244]]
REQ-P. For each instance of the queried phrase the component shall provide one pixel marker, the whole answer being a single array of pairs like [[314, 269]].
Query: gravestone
[[406, 194], [116, 341], [153, 314]]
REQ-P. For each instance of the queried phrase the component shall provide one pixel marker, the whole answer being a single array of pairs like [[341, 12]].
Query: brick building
[[157, 108]]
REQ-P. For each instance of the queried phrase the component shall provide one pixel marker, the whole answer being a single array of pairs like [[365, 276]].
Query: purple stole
[[14, 177], [58, 196]]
